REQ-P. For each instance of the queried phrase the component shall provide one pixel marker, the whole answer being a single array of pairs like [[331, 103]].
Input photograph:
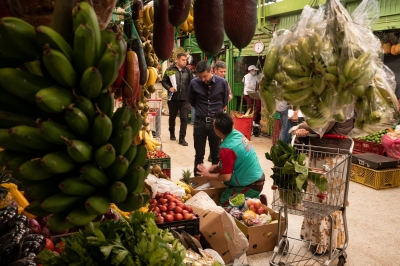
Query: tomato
[[49, 244], [59, 247]]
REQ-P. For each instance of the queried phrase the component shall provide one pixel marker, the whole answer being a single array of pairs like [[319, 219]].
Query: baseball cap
[[252, 67]]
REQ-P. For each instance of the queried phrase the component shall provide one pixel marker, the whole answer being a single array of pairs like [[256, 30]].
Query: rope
[[209, 61], [239, 57], [176, 36]]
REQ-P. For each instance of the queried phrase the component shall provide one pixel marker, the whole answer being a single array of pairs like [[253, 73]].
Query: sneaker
[[255, 125], [183, 142], [263, 199], [209, 158], [172, 138]]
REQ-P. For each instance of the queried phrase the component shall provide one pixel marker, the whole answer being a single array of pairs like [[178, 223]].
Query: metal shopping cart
[[333, 164]]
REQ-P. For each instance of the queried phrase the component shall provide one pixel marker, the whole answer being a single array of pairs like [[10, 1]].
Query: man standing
[[179, 101], [250, 85], [239, 167], [208, 94]]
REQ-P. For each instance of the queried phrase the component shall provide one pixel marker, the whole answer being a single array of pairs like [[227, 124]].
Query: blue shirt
[[208, 99], [238, 157]]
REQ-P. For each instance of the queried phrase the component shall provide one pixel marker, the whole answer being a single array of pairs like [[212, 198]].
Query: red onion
[[46, 231], [34, 226]]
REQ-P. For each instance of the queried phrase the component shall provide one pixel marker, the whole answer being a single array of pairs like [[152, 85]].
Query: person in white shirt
[[250, 85]]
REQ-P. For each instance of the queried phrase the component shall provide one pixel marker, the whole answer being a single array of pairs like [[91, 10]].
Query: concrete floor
[[373, 215]]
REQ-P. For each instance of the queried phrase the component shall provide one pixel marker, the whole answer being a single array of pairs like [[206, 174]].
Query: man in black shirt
[[208, 94], [179, 100]]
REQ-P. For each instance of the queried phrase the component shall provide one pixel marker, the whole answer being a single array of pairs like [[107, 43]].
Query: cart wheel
[[284, 249], [256, 131], [342, 260]]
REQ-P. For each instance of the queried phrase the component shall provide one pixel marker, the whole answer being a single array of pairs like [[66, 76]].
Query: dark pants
[[257, 108], [202, 130], [183, 107]]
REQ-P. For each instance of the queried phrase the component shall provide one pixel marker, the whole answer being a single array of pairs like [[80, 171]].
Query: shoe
[[255, 125], [172, 138], [263, 199], [209, 158], [183, 142]]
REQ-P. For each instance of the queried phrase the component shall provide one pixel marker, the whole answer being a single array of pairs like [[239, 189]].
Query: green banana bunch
[[60, 135], [59, 67]]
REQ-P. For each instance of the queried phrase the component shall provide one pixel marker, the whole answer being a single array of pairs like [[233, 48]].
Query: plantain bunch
[[62, 138], [327, 73]]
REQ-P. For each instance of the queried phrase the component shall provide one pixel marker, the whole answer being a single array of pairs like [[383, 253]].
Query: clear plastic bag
[[104, 10]]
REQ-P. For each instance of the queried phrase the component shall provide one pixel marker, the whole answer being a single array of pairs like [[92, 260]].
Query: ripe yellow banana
[[189, 19], [185, 26], [149, 76], [151, 14], [146, 17]]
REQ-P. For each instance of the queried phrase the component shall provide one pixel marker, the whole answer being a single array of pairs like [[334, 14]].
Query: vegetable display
[[18, 246], [134, 241], [329, 67], [79, 155]]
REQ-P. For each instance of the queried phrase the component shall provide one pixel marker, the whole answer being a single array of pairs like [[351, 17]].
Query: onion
[[46, 231], [34, 226], [43, 220], [113, 216]]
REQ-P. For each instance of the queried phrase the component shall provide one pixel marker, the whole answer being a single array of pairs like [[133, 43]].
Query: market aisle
[[373, 215]]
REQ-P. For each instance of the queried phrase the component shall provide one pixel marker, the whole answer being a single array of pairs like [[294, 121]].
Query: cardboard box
[[214, 192], [218, 228], [262, 238]]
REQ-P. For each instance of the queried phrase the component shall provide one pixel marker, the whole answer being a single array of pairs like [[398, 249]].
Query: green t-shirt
[[237, 156]]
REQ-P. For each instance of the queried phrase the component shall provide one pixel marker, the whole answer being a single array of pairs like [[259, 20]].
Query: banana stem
[[61, 20]]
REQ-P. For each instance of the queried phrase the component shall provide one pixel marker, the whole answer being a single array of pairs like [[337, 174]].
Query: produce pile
[[252, 214], [73, 154], [19, 245], [291, 175], [376, 137], [168, 207], [134, 241], [329, 66]]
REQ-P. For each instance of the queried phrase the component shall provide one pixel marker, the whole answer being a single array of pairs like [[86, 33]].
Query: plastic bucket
[[244, 125]]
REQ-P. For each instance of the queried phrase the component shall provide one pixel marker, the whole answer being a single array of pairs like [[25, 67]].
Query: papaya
[[208, 25], [163, 31], [240, 20]]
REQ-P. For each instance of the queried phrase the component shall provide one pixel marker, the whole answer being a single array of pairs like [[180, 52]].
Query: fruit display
[[252, 214], [376, 137], [18, 245], [78, 156], [324, 68], [168, 208]]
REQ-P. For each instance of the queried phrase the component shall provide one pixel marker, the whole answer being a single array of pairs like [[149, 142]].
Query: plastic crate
[[377, 179], [362, 146], [164, 163], [189, 226]]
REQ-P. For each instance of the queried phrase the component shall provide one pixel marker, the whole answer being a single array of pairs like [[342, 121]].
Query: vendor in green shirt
[[238, 167]]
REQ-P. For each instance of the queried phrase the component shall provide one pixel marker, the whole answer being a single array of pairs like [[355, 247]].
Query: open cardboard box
[[215, 192], [218, 228], [262, 238]]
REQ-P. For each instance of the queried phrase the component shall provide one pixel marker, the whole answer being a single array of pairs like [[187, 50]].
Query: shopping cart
[[154, 116], [333, 164]]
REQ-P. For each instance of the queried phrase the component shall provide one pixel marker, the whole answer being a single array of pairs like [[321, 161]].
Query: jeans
[[202, 130], [284, 135], [193, 116], [183, 108]]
